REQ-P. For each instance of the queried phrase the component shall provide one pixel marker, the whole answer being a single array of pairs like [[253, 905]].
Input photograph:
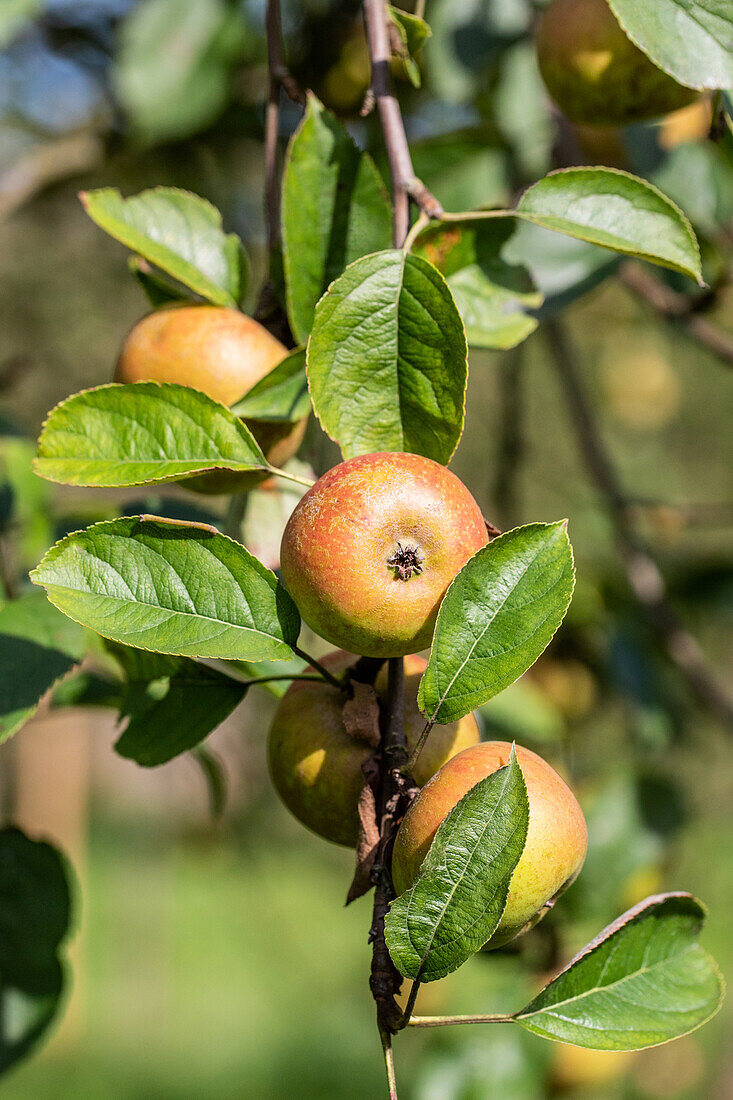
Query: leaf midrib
[[549, 1009]]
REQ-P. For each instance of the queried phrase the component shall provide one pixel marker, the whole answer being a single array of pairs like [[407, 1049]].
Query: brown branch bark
[[643, 573], [396, 791], [269, 311], [678, 310], [404, 183]]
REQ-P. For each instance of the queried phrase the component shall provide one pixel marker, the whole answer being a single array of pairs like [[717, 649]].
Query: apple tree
[[377, 289]]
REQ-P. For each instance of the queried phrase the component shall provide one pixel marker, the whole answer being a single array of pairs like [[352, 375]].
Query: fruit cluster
[[367, 555]]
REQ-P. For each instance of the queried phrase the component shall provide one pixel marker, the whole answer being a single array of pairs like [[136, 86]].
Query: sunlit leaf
[[388, 330], [170, 587]]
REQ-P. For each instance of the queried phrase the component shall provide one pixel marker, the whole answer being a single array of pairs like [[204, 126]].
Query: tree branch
[[643, 574], [385, 980], [278, 77], [677, 309], [405, 185]]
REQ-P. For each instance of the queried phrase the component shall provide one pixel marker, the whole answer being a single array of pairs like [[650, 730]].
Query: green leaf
[[158, 288], [692, 40], [496, 618], [171, 703], [170, 587], [179, 233], [644, 980], [413, 33], [37, 647], [32, 514], [174, 62], [490, 293], [335, 209], [460, 893], [388, 330], [615, 210], [282, 395], [142, 432], [35, 908]]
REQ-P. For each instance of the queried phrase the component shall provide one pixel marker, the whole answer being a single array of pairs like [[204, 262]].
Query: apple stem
[[233, 673], [445, 1021], [386, 1037], [325, 674], [291, 477]]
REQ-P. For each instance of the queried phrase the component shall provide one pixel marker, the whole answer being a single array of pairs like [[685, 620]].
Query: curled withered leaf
[[366, 849]]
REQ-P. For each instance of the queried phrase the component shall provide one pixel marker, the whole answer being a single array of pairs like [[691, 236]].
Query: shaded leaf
[[174, 588], [38, 646], [171, 703], [335, 209], [388, 329], [644, 980], [158, 288], [142, 432], [491, 294], [179, 233], [282, 395], [35, 909], [615, 210], [496, 618], [459, 896]]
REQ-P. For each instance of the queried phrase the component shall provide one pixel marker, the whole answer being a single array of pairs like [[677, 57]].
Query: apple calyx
[[406, 560]]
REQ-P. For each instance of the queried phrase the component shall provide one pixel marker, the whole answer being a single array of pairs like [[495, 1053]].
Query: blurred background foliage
[[214, 957]]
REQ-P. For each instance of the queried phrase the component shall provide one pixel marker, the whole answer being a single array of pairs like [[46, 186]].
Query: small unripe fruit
[[556, 837], [221, 352], [315, 762], [595, 73], [370, 550]]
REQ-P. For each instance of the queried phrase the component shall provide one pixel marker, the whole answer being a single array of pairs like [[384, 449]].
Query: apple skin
[[595, 74], [342, 535], [557, 837], [221, 352], [315, 763]]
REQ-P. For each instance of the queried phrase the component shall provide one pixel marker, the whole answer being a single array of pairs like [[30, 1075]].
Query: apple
[[595, 73], [371, 548], [315, 763], [221, 352], [557, 838]]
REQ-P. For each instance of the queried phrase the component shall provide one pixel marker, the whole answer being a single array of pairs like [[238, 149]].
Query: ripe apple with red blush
[[557, 837], [370, 550], [221, 352]]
